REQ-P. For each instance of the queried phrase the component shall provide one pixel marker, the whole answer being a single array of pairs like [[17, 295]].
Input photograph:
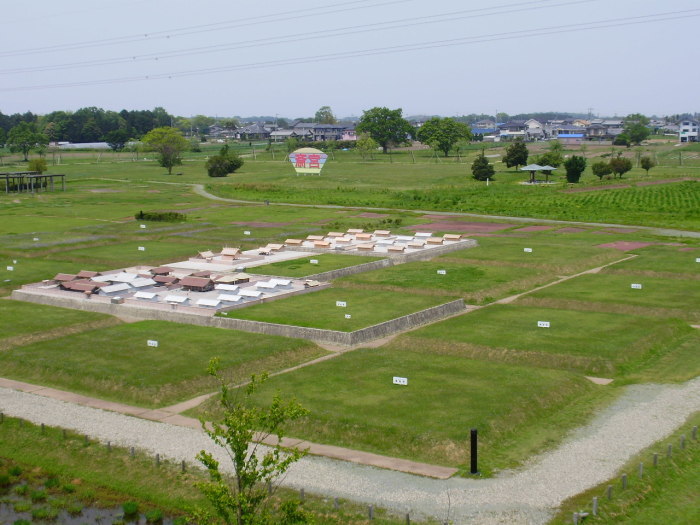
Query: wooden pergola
[[31, 181]]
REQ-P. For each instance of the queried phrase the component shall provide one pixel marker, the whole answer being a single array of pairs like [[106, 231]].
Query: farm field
[[116, 364]]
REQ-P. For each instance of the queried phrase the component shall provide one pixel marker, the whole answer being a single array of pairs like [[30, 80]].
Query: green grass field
[[303, 266], [115, 363], [665, 260], [590, 342], [20, 318], [354, 404], [319, 310]]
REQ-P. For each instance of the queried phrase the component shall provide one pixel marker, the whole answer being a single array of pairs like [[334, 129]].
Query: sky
[[442, 57]]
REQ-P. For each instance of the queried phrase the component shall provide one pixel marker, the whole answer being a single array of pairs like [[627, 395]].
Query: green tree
[[292, 144], [168, 143], [443, 133], [325, 116], [622, 140], [574, 166], [224, 163], [647, 163], [601, 169], [117, 139], [38, 165], [3, 137], [386, 126], [516, 154], [482, 168], [637, 128], [366, 145], [242, 501], [620, 165], [24, 137]]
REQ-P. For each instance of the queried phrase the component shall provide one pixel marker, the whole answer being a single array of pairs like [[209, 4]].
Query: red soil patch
[[370, 215], [625, 245], [105, 190], [621, 230], [570, 230], [480, 227], [534, 228], [262, 224]]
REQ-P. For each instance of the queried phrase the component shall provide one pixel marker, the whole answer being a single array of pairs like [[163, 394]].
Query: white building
[[688, 131]]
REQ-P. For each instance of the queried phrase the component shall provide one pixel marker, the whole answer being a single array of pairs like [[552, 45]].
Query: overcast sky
[[447, 57]]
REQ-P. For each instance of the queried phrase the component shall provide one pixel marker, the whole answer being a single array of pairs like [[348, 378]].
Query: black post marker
[[474, 437]]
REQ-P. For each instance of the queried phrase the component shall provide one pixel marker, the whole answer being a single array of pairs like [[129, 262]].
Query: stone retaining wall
[[351, 270], [317, 335]]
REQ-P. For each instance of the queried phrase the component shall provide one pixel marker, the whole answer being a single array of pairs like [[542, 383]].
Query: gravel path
[[592, 454]]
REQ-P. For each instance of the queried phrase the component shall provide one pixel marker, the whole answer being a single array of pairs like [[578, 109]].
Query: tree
[[601, 169], [3, 137], [325, 116], [24, 137], [168, 143], [366, 145], [443, 133], [647, 163], [516, 154], [224, 163], [620, 165], [482, 168], [255, 469], [622, 140], [574, 166], [636, 128], [386, 126], [117, 139]]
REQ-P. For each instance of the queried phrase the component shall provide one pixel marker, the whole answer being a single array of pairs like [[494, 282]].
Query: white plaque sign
[[10, 268], [697, 259], [527, 250], [636, 286], [142, 248], [151, 342], [314, 261], [401, 381], [543, 324], [342, 304], [442, 272], [37, 238], [14, 261], [142, 226], [348, 316], [246, 232]]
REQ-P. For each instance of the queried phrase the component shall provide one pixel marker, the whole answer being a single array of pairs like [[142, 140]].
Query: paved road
[[591, 455]]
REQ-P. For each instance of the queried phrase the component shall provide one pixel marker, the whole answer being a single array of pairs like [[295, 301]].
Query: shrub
[[21, 522], [574, 168], [22, 506], [38, 495], [224, 163], [21, 489], [51, 483], [75, 508], [43, 513], [15, 471], [4, 480], [130, 508], [38, 165], [68, 488], [162, 216], [154, 516]]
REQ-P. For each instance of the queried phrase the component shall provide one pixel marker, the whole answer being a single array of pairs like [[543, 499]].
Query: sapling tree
[[242, 499], [647, 163]]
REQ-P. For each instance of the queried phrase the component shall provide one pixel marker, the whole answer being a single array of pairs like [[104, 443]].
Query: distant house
[[349, 133], [515, 129], [252, 132], [688, 131], [570, 139], [280, 135], [319, 132]]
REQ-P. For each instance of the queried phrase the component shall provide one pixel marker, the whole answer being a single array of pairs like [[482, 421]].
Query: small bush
[[68, 488], [154, 516], [130, 508], [43, 513], [75, 508], [22, 506], [21, 489], [5, 480], [161, 216], [38, 165], [15, 471], [21, 522], [51, 483], [38, 495]]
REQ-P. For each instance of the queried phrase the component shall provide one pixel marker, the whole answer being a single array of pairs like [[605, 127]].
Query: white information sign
[[10, 268], [246, 232], [14, 261], [342, 304], [36, 239], [142, 226], [527, 250], [442, 272], [142, 248], [314, 261], [153, 343], [697, 259], [636, 286], [348, 316], [401, 381], [543, 324]]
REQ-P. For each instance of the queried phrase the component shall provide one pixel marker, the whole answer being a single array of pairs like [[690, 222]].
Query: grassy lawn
[[124, 254], [679, 297], [663, 259], [319, 310], [480, 283], [354, 404], [595, 343], [20, 318], [302, 267], [31, 270], [666, 494], [115, 363]]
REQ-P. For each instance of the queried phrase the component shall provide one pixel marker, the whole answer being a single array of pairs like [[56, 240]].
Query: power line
[[511, 35], [284, 39], [215, 26]]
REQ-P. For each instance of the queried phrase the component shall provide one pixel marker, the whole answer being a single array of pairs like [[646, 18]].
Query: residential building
[[688, 131]]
